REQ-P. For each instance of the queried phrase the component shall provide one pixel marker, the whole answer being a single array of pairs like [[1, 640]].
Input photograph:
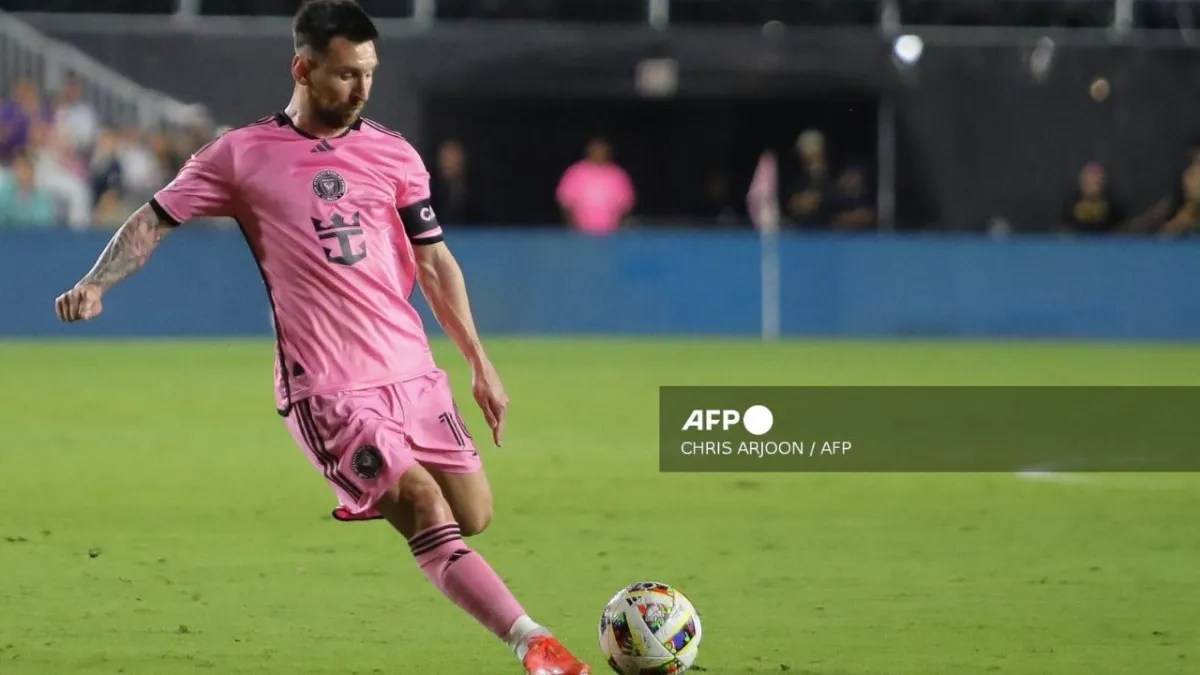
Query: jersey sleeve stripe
[[428, 234], [162, 213], [426, 241], [382, 129]]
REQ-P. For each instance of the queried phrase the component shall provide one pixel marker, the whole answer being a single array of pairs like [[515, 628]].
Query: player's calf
[[418, 509]]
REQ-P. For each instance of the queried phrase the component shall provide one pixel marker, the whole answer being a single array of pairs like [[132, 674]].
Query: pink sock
[[465, 577]]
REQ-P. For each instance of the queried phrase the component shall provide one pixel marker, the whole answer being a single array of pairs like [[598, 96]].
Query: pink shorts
[[362, 441]]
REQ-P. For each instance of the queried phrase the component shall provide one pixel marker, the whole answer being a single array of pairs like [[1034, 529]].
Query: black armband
[[419, 219]]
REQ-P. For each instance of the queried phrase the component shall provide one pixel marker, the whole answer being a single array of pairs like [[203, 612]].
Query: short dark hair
[[318, 22]]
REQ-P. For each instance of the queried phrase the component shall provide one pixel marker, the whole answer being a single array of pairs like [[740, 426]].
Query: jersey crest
[[329, 185]]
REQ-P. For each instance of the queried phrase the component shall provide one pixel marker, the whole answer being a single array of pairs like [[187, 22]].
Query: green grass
[[216, 553]]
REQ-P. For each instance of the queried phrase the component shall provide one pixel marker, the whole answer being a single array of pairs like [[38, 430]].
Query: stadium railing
[[1122, 15], [119, 101]]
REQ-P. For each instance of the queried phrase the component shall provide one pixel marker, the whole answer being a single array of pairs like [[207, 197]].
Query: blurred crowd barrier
[[529, 282]]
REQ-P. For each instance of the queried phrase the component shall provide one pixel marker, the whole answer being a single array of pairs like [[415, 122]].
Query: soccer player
[[335, 209]]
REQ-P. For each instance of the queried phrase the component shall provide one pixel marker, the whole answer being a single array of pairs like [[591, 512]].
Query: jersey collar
[[282, 119]]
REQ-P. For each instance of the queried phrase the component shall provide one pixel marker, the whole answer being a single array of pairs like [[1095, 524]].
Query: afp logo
[[757, 420]]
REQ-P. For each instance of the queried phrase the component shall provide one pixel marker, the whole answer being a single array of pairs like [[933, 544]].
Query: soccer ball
[[648, 628]]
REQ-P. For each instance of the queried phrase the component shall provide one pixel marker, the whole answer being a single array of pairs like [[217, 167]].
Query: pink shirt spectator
[[332, 224], [597, 196]]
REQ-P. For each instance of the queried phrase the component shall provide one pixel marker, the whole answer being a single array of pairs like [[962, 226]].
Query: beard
[[335, 115]]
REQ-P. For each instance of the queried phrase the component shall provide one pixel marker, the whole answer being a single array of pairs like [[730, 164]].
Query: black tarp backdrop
[[979, 137], [672, 149], [994, 141]]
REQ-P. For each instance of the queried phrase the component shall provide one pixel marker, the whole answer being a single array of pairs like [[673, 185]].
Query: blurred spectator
[[808, 203], [719, 205], [1092, 208], [75, 119], [851, 207], [142, 172], [23, 204], [17, 116], [111, 210], [595, 193], [68, 169], [1167, 206], [193, 137], [1186, 220], [166, 155], [58, 170], [105, 167], [452, 197]]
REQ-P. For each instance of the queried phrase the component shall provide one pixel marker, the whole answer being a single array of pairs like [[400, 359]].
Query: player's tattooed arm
[[129, 248], [125, 254]]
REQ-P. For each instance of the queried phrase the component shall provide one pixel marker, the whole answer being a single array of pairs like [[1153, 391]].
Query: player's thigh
[[470, 497], [443, 444], [353, 440]]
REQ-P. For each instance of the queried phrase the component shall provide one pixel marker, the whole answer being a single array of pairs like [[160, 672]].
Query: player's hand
[[79, 304], [489, 394]]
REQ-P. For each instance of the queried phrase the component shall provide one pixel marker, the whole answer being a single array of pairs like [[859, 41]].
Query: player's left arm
[[445, 288]]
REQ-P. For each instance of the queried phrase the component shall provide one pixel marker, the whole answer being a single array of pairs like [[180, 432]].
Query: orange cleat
[[343, 514], [547, 656]]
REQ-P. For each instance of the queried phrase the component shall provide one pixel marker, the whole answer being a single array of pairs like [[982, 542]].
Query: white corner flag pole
[[763, 203]]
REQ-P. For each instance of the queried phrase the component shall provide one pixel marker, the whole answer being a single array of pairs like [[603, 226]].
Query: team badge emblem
[[367, 462], [329, 186]]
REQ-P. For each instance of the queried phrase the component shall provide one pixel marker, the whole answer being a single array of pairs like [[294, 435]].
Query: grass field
[[157, 519]]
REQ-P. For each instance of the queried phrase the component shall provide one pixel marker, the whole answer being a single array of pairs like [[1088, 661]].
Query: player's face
[[339, 81]]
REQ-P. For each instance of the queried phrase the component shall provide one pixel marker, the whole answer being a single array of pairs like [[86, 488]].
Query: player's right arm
[[125, 254], [202, 189]]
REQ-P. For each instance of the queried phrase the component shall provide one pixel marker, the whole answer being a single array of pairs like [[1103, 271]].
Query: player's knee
[[476, 519]]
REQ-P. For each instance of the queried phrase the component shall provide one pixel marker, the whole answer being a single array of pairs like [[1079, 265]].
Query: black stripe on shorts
[[308, 427]]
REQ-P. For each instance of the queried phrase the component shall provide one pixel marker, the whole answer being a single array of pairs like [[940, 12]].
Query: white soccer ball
[[649, 627]]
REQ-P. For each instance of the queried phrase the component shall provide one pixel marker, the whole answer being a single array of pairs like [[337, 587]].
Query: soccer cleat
[[547, 656], [346, 516]]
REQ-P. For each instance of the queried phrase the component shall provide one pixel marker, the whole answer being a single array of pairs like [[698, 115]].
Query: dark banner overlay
[[929, 429]]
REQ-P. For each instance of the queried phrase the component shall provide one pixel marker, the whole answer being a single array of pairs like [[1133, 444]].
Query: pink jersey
[[332, 224], [597, 195]]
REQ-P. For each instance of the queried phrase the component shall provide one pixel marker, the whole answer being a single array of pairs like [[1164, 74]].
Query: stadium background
[[978, 138], [967, 259]]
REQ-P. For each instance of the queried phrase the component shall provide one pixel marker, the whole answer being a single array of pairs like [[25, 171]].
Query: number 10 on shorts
[[454, 421]]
